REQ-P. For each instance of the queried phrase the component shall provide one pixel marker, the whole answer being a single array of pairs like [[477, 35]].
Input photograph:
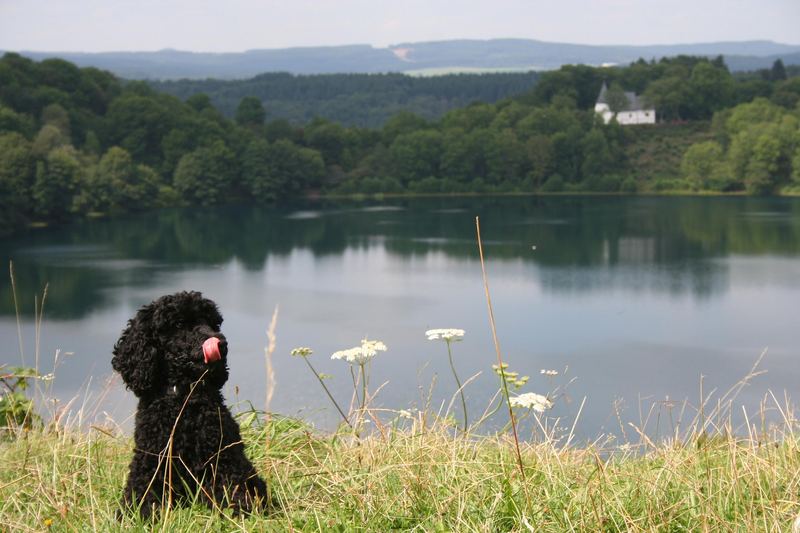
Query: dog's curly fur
[[186, 441]]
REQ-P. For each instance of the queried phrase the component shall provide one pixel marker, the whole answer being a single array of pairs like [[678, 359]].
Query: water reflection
[[638, 296], [581, 244]]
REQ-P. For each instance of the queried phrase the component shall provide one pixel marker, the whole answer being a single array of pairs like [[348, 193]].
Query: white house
[[635, 112]]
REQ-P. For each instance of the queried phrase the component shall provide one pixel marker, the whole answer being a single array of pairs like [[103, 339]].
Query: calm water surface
[[635, 298]]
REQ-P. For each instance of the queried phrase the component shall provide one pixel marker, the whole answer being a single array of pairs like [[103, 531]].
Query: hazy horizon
[[241, 25], [387, 46]]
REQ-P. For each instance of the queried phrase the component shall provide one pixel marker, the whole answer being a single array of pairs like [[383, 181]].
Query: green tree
[[701, 165], [118, 184], [403, 122], [567, 150], [548, 121], [257, 176], [250, 113], [199, 102], [13, 121], [669, 96], [416, 155], [540, 157], [597, 159], [787, 93], [477, 115], [206, 175], [458, 155], [278, 129], [139, 123], [711, 89], [331, 141], [48, 139], [17, 174], [796, 166], [91, 144], [295, 168], [54, 186], [761, 174], [616, 98], [778, 71], [505, 158], [745, 116], [57, 116], [175, 144]]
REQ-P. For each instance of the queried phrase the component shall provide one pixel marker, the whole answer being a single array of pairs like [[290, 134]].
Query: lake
[[630, 299]]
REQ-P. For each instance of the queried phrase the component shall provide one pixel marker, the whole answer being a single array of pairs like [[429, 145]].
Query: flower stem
[[458, 382], [363, 387], [316, 374]]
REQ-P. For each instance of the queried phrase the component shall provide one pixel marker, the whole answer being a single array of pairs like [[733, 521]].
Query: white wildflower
[[447, 335], [371, 348], [360, 354], [549, 372], [531, 400], [350, 355], [302, 351]]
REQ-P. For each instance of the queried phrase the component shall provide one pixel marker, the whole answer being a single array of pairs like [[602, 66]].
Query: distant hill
[[438, 56]]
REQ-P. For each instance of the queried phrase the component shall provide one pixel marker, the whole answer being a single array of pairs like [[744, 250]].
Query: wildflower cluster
[[513, 378], [531, 400], [360, 355], [447, 335]]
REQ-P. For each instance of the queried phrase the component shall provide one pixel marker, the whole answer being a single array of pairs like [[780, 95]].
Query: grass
[[422, 474]]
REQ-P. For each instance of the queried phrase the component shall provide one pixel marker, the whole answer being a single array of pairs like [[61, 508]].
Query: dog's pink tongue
[[211, 350]]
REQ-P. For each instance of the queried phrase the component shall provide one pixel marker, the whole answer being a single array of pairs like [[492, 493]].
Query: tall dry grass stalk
[[16, 311], [497, 349], [269, 350]]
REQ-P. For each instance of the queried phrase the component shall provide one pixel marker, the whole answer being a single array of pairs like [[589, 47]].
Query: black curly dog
[[187, 442]]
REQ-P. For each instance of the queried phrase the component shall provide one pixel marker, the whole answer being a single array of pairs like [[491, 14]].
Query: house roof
[[635, 102]]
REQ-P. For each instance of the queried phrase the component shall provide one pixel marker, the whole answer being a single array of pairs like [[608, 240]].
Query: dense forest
[[365, 100], [80, 141]]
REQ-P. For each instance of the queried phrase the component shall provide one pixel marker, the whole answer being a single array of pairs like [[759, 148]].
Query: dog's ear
[[136, 354]]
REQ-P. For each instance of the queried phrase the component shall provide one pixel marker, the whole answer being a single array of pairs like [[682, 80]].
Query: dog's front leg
[[144, 489]]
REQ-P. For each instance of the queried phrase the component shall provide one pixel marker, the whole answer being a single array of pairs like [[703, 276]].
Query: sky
[[237, 25]]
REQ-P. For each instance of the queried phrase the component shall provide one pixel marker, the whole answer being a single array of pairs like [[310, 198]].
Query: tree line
[[364, 100], [79, 141]]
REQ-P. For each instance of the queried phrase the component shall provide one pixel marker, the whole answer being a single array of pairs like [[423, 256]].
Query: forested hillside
[[365, 100], [79, 141]]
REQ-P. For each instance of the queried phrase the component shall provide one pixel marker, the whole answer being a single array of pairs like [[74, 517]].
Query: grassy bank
[[420, 474]]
